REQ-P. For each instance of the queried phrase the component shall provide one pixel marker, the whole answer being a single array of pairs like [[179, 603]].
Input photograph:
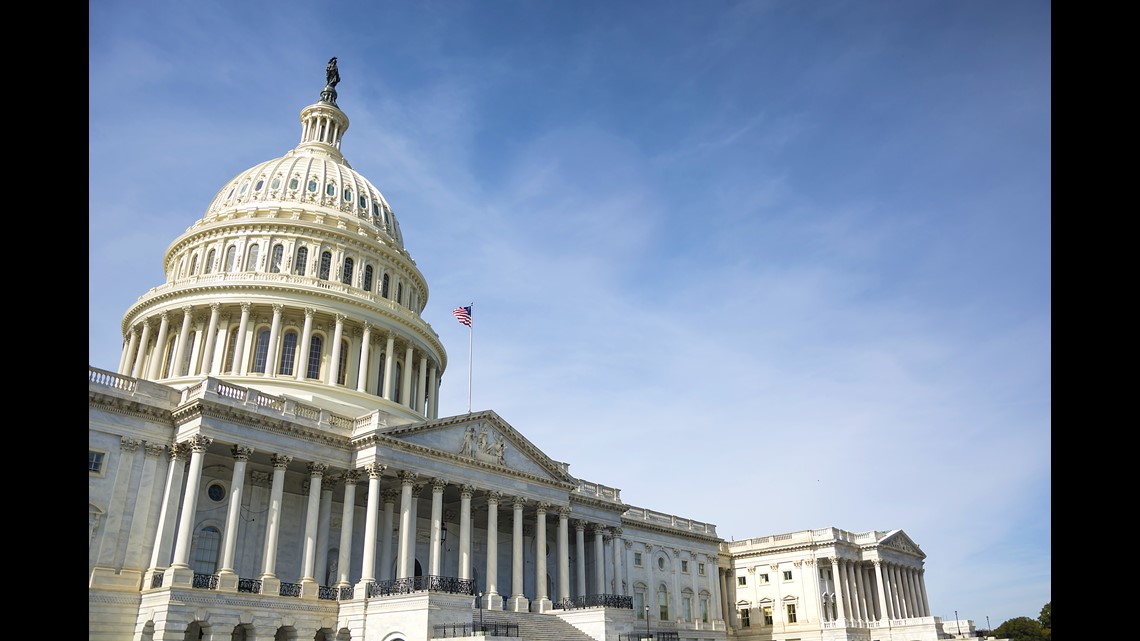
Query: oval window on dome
[[244, 188], [364, 203], [331, 189], [276, 183], [313, 186], [259, 185], [231, 194], [293, 183], [347, 195]]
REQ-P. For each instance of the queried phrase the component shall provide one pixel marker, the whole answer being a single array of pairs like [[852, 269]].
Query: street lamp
[[481, 628], [958, 622], [647, 634]]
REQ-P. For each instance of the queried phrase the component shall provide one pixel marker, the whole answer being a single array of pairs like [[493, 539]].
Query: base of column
[[310, 589], [541, 605], [122, 581], [270, 584], [518, 603], [227, 581], [181, 576], [492, 601]]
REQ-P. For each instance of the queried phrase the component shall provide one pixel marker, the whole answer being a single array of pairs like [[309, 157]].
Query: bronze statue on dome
[[332, 78]]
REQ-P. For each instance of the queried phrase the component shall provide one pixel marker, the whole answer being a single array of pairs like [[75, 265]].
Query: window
[[343, 369], [346, 274], [205, 559], [767, 611], [639, 603], [94, 461], [251, 260], [744, 618], [742, 580], [194, 264], [397, 381], [314, 369], [663, 603], [293, 183], [347, 194], [684, 566], [704, 609], [209, 266], [326, 264], [216, 492], [701, 569], [261, 351], [299, 263], [275, 258], [380, 376], [787, 575], [637, 559], [231, 258], [288, 354], [368, 278], [276, 182], [384, 286], [687, 607], [660, 563], [259, 185], [313, 186], [188, 352], [168, 368], [244, 188], [330, 189], [762, 578], [228, 365], [399, 293], [791, 612]]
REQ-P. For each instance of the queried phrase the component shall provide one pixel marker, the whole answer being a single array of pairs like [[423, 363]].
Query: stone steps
[[534, 626]]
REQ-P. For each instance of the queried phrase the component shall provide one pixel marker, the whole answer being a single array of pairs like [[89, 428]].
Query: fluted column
[[180, 347], [238, 365], [350, 478], [274, 334], [518, 601], [321, 573], [921, 576], [715, 589], [465, 492], [138, 543], [309, 557], [880, 590], [206, 367], [306, 340], [368, 571], [407, 528], [619, 563], [389, 360], [580, 562], [227, 578], [269, 580], [387, 569], [433, 392], [852, 590], [599, 560], [862, 594], [421, 387], [140, 355], [563, 553], [127, 354], [168, 514], [437, 487], [181, 574], [840, 601], [109, 542], [365, 345], [541, 598], [492, 593], [155, 370], [406, 384], [911, 600]]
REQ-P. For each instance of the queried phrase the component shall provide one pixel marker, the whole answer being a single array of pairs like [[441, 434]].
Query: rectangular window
[[791, 613], [637, 559], [94, 461], [685, 566], [687, 608], [742, 580], [767, 615], [744, 618], [763, 578], [701, 569], [787, 575], [704, 609], [639, 604]]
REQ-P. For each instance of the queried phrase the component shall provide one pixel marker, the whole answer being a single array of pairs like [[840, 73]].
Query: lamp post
[[481, 628], [958, 622], [988, 623], [647, 633]]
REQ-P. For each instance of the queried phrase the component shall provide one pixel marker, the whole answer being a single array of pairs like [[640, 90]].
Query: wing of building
[[268, 463]]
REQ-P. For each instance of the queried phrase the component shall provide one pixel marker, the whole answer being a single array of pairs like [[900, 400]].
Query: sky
[[770, 265]]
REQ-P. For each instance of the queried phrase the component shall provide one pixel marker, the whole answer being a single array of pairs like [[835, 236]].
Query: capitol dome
[[296, 280]]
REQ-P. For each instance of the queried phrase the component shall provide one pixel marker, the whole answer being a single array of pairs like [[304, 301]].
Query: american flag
[[463, 314]]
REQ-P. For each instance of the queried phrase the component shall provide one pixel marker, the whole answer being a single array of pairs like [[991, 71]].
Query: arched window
[[368, 278], [299, 263], [209, 266], [231, 348], [191, 338], [346, 274], [330, 189], [168, 364], [194, 264], [275, 258], [288, 353], [342, 369], [687, 605], [639, 601], [206, 548], [380, 376], [384, 286], [231, 256], [396, 381], [326, 263], [663, 603], [704, 607], [399, 293], [314, 369], [251, 259], [261, 351]]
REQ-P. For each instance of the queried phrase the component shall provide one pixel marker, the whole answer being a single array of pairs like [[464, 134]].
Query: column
[[892, 590], [387, 570], [714, 593], [146, 503], [271, 364], [350, 478], [421, 387], [105, 563], [840, 601], [563, 553], [306, 342], [908, 576], [519, 601], [128, 354], [580, 563], [389, 358], [862, 594], [140, 355], [155, 370], [309, 582], [619, 563], [723, 602], [368, 569], [270, 583], [407, 528], [406, 385], [334, 364], [365, 344], [492, 592], [181, 574], [227, 578], [921, 575], [465, 492], [241, 363], [433, 392], [168, 514], [183, 336], [541, 598], [322, 574], [437, 487], [599, 560], [852, 594], [206, 367]]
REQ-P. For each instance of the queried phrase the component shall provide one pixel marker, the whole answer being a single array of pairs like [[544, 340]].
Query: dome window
[[330, 189], [276, 184], [231, 194], [293, 183], [363, 203], [313, 186], [347, 195], [259, 185], [244, 188]]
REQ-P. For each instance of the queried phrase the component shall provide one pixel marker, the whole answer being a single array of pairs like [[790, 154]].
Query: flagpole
[[470, 352]]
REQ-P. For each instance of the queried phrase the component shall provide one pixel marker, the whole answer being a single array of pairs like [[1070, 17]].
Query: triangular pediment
[[898, 540], [485, 440]]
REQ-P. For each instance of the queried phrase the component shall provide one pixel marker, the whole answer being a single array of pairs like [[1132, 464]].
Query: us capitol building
[[268, 463]]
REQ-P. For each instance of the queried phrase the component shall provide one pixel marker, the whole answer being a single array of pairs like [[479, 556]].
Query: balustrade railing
[[595, 601], [290, 589], [251, 586], [444, 631], [205, 581], [656, 635], [430, 583]]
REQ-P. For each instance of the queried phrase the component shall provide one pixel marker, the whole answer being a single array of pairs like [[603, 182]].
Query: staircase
[[534, 626]]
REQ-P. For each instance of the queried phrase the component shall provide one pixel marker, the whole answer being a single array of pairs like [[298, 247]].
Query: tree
[[1021, 629], [1046, 619]]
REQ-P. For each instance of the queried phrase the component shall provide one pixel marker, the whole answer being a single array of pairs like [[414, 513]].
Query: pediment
[[898, 540], [483, 439]]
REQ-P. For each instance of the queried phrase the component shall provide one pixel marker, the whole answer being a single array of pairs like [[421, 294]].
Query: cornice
[[201, 408], [129, 407], [635, 524]]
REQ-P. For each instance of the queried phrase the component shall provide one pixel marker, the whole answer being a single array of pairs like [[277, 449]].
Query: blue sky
[[770, 265]]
